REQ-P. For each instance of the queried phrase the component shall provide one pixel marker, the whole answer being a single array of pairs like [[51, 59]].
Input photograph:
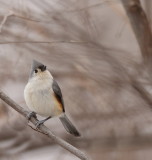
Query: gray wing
[[58, 93]]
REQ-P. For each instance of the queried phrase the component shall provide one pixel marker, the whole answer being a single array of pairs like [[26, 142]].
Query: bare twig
[[10, 13], [145, 95], [64, 11], [141, 27], [43, 129], [72, 41]]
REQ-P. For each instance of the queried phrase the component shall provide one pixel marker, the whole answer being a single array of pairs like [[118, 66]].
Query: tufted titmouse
[[43, 96]]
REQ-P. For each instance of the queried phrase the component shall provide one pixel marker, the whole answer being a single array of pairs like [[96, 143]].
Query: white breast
[[39, 97]]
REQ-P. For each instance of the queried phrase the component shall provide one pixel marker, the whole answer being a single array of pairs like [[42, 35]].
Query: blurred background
[[91, 50]]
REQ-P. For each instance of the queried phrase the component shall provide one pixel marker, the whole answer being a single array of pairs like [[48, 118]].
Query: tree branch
[[145, 95], [43, 129], [10, 13], [140, 26], [62, 41]]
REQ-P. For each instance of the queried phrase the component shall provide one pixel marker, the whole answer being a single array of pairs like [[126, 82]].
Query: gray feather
[[35, 65], [58, 93], [69, 126]]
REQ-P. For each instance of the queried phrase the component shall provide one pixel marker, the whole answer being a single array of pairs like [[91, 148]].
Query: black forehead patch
[[42, 68]]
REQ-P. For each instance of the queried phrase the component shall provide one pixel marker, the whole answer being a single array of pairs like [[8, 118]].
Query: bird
[[43, 96]]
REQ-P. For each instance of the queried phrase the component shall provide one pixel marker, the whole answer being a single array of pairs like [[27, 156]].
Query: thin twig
[[64, 11], [72, 41], [10, 13], [141, 27], [43, 128], [145, 95]]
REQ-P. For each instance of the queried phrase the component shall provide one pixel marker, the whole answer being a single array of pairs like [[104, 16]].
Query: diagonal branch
[[140, 26], [10, 13], [43, 129]]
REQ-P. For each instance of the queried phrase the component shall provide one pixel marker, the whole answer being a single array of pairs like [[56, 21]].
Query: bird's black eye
[[36, 71]]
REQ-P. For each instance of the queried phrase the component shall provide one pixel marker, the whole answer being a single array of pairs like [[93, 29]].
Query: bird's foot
[[39, 123], [31, 114]]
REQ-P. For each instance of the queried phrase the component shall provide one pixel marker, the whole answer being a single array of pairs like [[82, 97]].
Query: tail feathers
[[69, 126]]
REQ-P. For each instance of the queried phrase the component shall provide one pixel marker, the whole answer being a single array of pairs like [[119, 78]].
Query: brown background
[[90, 48]]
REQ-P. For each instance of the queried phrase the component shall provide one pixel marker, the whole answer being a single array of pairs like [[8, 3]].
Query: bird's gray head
[[37, 69]]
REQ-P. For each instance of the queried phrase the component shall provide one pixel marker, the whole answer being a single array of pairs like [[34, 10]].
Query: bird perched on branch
[[43, 97]]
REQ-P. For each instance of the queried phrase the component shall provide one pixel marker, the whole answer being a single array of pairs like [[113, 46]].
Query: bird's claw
[[31, 114], [38, 123]]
